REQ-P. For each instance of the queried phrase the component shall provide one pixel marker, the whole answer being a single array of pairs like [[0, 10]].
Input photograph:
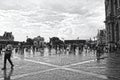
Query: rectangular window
[[115, 6], [118, 1]]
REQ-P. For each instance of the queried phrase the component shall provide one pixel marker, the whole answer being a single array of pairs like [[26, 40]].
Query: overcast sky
[[66, 19]]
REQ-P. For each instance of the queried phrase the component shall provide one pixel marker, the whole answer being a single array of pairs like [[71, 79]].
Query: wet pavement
[[62, 66]]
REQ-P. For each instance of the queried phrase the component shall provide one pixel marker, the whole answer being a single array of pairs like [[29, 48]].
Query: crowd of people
[[70, 49]]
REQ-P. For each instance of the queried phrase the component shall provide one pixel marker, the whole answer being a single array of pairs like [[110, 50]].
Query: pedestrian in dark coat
[[7, 56]]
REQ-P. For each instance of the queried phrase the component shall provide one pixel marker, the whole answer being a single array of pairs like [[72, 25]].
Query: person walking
[[7, 56], [0, 49]]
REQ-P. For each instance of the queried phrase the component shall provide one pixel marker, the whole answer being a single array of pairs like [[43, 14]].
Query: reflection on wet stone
[[113, 66], [8, 74], [68, 58]]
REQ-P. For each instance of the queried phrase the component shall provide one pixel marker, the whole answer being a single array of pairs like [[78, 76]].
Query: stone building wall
[[112, 22], [7, 36]]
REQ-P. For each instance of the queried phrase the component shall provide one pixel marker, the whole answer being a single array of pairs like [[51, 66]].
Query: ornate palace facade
[[101, 37], [112, 10], [39, 41], [7, 36]]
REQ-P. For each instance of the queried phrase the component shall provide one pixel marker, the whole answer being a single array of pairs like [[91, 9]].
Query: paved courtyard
[[78, 66]]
